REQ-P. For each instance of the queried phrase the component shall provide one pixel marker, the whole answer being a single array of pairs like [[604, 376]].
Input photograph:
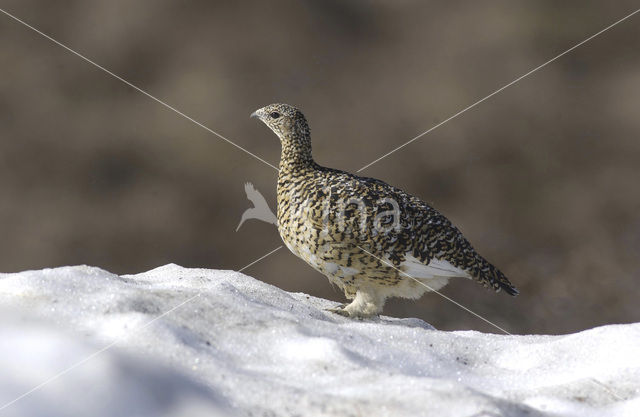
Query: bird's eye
[[274, 115]]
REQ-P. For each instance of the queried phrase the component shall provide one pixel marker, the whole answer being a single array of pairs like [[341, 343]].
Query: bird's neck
[[296, 154]]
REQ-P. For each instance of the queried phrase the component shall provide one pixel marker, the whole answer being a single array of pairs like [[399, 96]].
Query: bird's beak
[[255, 114]]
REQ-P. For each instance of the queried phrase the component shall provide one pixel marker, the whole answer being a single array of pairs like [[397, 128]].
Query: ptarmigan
[[371, 239]]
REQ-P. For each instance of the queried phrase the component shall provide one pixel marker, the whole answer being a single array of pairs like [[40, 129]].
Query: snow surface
[[192, 342]]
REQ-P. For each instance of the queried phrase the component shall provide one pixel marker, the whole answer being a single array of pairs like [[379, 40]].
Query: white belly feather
[[437, 268], [433, 276]]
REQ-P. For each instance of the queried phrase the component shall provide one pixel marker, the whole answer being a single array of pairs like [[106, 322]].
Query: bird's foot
[[365, 305], [339, 310], [344, 311]]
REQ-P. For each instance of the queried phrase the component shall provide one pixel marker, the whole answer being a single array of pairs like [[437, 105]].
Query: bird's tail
[[505, 284], [490, 276]]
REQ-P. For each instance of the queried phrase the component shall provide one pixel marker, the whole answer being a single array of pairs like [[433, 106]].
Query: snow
[[177, 342]]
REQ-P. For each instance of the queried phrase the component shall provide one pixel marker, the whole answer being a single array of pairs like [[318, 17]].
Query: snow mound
[[207, 342]]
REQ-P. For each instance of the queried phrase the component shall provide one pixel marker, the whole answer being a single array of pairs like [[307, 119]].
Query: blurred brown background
[[542, 178]]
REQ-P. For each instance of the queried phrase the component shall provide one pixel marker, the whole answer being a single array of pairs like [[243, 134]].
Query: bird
[[370, 239], [260, 209]]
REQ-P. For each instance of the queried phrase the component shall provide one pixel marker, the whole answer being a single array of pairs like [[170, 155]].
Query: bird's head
[[288, 123]]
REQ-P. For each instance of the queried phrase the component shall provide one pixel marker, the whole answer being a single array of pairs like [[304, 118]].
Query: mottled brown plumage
[[369, 238]]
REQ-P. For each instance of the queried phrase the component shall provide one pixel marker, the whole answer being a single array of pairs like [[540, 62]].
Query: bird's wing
[[250, 190], [254, 196]]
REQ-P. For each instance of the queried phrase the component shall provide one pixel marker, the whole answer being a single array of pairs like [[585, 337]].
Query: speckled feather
[[310, 197]]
